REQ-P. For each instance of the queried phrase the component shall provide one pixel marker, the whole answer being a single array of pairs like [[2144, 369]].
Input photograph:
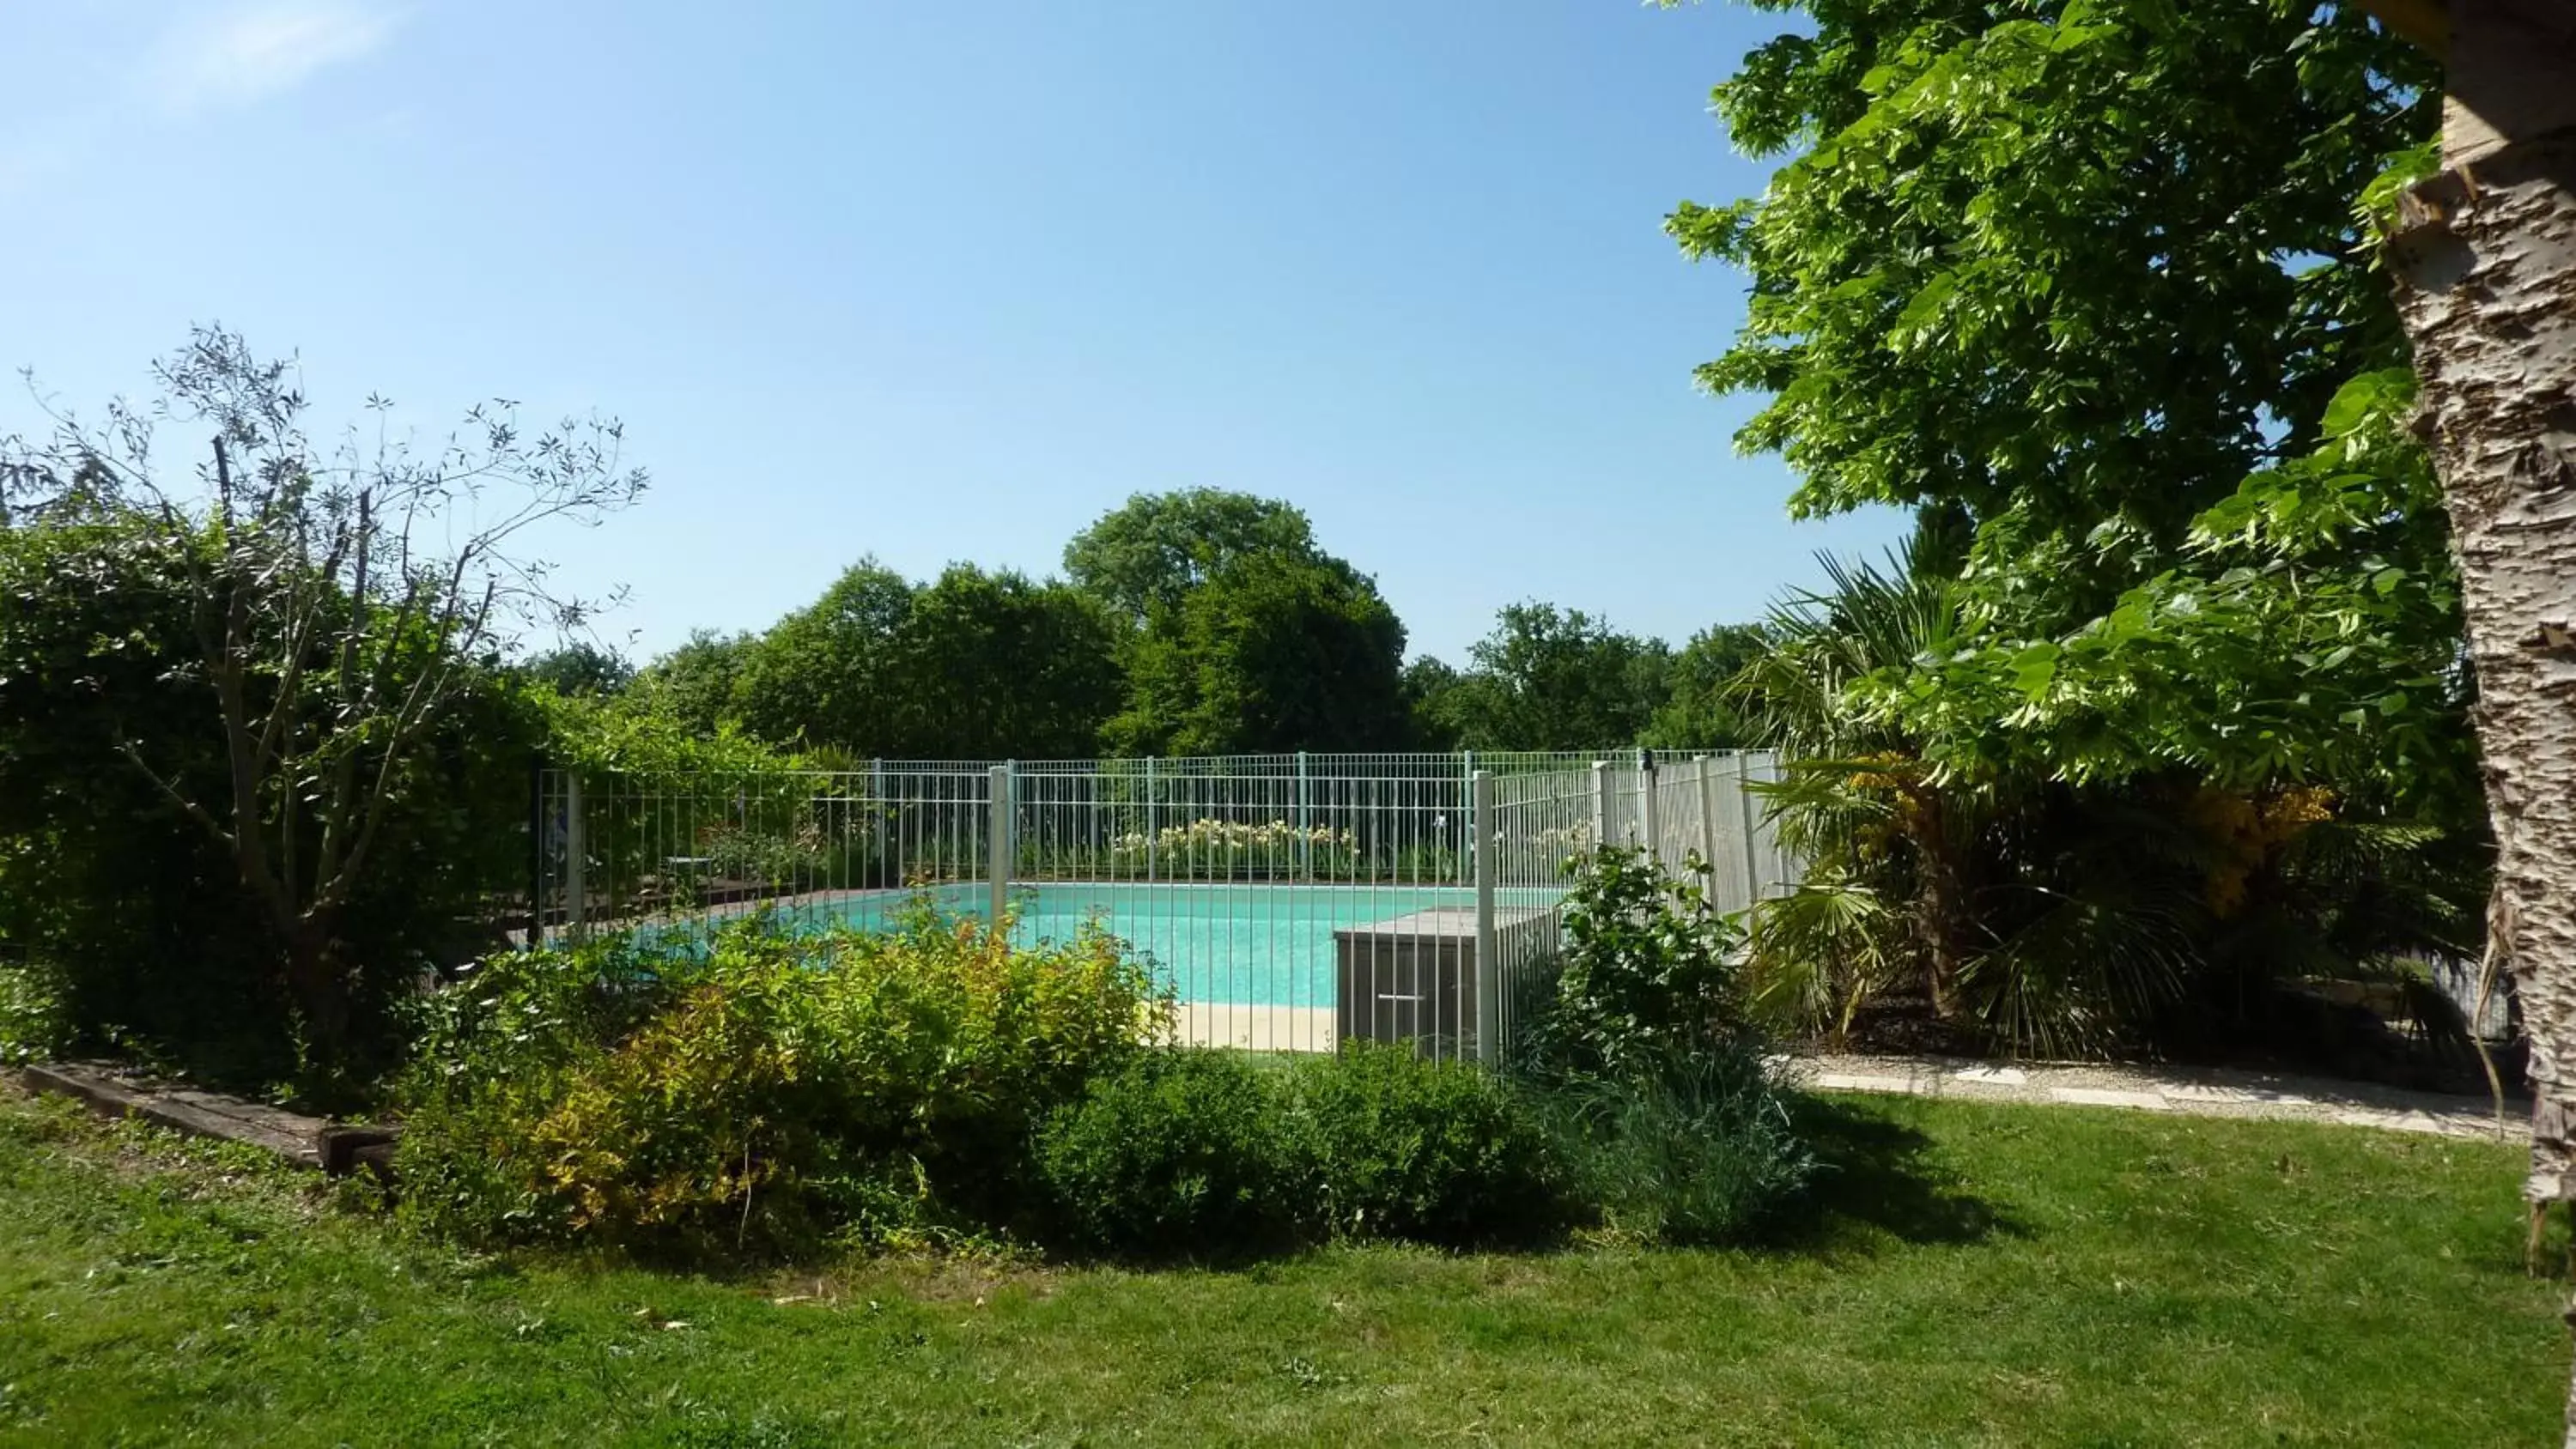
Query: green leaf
[[2033, 668]]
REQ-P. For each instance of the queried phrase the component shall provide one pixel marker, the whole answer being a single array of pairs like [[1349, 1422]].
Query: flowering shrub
[[1237, 848], [765, 1092]]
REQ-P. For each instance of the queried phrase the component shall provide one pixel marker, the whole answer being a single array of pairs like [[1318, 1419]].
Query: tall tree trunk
[[320, 988], [2485, 258], [1944, 902]]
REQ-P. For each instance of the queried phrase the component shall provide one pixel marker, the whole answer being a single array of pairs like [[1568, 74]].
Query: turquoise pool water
[[1243, 945]]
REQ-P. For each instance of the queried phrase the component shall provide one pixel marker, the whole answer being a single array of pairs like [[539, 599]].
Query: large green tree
[[1703, 706], [1273, 652], [2085, 284], [970, 666], [1557, 679], [697, 683], [580, 667], [998, 666], [2066, 270], [832, 672], [1156, 547]]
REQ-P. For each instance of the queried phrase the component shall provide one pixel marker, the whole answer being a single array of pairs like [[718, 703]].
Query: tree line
[[1199, 622]]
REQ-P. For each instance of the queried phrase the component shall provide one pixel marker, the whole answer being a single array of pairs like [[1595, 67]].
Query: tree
[[1271, 653], [2083, 284], [829, 673], [339, 602], [137, 915], [997, 666], [1557, 679], [2030, 907], [1156, 547], [697, 683], [2484, 252], [1433, 693], [1701, 709], [579, 668], [2064, 271], [1861, 796], [971, 666]]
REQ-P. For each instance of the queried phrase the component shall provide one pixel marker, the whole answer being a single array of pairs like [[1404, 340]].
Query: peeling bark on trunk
[[2485, 257]]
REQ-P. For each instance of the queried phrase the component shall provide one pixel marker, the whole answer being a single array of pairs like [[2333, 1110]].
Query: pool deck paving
[[1255, 1028], [2203, 1092]]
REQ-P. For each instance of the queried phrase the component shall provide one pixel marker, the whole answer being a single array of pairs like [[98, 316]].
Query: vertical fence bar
[[1305, 856], [576, 847], [881, 870], [1601, 805], [1151, 845], [1744, 805], [1466, 778], [1489, 966], [1709, 822], [1001, 843], [1650, 818]]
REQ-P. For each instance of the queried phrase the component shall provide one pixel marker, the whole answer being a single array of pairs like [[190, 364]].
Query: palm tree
[[1888, 839], [2030, 911], [2484, 253]]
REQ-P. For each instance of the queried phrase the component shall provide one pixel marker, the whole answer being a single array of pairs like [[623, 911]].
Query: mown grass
[[1978, 1275]]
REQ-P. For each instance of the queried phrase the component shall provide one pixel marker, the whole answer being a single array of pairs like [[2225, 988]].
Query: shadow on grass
[[1877, 1176]]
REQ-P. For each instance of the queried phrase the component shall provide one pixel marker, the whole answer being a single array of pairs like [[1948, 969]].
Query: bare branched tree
[[341, 597]]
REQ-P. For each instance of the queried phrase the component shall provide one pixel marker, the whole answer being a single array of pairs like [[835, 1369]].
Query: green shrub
[[760, 1092], [1184, 1152], [1656, 1090], [34, 1022], [1645, 971], [1700, 1149], [1442, 1152]]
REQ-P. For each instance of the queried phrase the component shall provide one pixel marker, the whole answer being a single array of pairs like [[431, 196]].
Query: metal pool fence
[[1290, 901]]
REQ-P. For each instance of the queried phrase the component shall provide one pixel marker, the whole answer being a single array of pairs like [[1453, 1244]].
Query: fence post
[[1305, 857], [576, 849], [1489, 967], [1150, 844], [1601, 812], [1000, 866], [1744, 803], [1650, 815]]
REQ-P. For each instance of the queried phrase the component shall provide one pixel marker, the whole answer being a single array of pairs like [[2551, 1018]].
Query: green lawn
[[1982, 1275]]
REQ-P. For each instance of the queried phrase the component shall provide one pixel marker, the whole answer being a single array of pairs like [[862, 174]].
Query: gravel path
[[2206, 1092]]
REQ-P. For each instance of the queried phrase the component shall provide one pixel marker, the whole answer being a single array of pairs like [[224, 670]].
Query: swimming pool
[[1236, 944]]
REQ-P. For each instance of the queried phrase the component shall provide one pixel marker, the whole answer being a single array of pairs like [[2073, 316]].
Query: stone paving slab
[[2109, 1097], [1256, 1028], [2212, 1092], [1853, 1082], [2233, 1096]]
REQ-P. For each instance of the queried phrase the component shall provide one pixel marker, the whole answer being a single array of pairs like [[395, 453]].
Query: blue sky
[[941, 282]]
